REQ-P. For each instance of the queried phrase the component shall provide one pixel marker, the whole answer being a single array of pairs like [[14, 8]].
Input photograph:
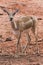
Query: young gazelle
[[23, 23]]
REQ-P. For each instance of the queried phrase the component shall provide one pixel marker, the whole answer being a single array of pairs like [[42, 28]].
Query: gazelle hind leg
[[35, 32], [36, 37]]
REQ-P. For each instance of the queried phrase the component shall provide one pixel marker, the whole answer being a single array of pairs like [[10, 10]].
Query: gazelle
[[23, 23]]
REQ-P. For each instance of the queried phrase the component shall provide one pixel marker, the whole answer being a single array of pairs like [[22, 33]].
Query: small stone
[[8, 39], [0, 36]]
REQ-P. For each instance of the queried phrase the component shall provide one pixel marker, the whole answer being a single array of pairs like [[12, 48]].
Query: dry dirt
[[9, 48]]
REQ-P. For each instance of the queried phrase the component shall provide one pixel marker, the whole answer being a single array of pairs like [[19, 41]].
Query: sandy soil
[[26, 7]]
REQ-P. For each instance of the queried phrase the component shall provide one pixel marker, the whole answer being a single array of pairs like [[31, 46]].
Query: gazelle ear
[[4, 9], [15, 11]]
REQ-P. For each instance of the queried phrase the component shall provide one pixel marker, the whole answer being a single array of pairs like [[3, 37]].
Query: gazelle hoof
[[16, 55]]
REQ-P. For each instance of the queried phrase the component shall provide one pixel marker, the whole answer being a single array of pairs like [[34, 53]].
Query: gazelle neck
[[15, 24]]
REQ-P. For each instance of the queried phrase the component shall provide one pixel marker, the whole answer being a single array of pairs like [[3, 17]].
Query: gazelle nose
[[11, 19]]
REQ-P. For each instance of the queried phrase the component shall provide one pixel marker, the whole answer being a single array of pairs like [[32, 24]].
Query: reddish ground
[[27, 7]]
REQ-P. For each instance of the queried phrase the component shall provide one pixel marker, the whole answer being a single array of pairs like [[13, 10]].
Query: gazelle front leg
[[29, 39], [18, 43]]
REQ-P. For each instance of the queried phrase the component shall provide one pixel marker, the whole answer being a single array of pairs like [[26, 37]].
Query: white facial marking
[[15, 25]]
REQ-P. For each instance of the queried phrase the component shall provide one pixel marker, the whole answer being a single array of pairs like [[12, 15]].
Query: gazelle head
[[11, 15]]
